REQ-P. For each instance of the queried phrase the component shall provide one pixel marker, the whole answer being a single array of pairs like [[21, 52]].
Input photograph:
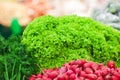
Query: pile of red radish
[[80, 70]]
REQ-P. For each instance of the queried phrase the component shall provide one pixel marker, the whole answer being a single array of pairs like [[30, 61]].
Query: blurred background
[[15, 15]]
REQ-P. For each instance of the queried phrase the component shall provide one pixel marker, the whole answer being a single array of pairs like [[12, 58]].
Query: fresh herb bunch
[[56, 40], [12, 56]]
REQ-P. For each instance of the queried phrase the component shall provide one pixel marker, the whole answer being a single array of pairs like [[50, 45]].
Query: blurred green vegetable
[[56, 40], [15, 27]]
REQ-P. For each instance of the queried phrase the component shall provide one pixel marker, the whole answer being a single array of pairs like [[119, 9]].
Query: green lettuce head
[[56, 40]]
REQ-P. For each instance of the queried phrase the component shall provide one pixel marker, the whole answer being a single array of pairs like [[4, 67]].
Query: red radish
[[49, 70], [83, 74], [118, 69], [72, 62], [80, 70], [72, 76], [98, 72], [61, 77], [77, 79], [67, 65], [104, 70], [69, 72], [80, 63], [88, 70], [88, 65], [62, 70], [107, 77], [91, 76], [32, 77], [73, 67], [66, 76], [39, 75], [115, 73], [45, 74], [44, 71], [52, 75], [111, 64], [81, 78], [115, 78], [47, 79], [77, 70], [44, 78], [100, 78], [108, 70], [87, 79], [100, 66], [94, 66]]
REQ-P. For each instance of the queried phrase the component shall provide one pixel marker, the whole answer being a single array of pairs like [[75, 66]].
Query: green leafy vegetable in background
[[14, 61], [56, 40], [15, 27]]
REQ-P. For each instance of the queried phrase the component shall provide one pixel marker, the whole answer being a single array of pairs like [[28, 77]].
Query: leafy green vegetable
[[55, 40], [13, 52]]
